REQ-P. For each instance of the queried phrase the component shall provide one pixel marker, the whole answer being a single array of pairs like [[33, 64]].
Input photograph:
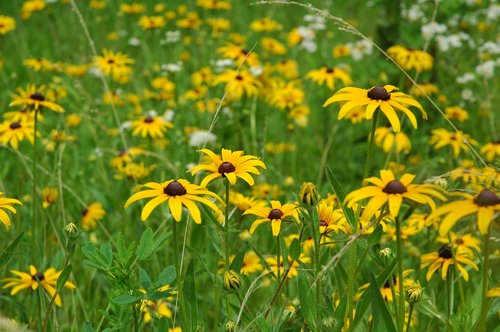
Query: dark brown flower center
[[38, 277], [111, 61], [148, 119], [487, 197], [459, 241], [239, 78], [394, 187], [329, 70], [323, 223], [37, 96], [226, 167], [84, 212], [15, 125], [244, 52], [174, 188], [445, 252], [275, 214], [388, 282], [379, 93]]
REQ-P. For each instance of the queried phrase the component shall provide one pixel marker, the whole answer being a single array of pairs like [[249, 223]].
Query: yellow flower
[[239, 54], [244, 203], [116, 65], [328, 75], [274, 215], [456, 140], [410, 58], [443, 259], [456, 113], [192, 21], [341, 51], [152, 126], [152, 22], [388, 190], [133, 8], [428, 88], [294, 268], [386, 290], [229, 164], [176, 193], [377, 97], [265, 24], [214, 4], [491, 151], [486, 204], [17, 131], [238, 83], [388, 140], [331, 220], [459, 242], [6, 24], [73, 120], [272, 46], [33, 279], [6, 203], [286, 96], [50, 195], [33, 98], [91, 214]]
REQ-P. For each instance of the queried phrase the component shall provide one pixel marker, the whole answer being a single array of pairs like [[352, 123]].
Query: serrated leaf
[[295, 249], [337, 189], [381, 315], [145, 247], [126, 299], [63, 277], [9, 251], [144, 279]]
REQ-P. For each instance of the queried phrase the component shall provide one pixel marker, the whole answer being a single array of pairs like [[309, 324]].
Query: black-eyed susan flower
[[444, 258], [456, 113], [132, 8], [117, 65], [49, 196], [238, 83], [33, 98], [91, 215], [35, 278], [152, 126], [491, 151], [152, 22], [13, 132], [457, 140], [389, 140], [461, 242], [265, 24], [286, 96], [243, 202], [7, 24], [228, 164], [6, 204], [239, 54], [411, 58], [274, 215], [484, 205], [388, 190], [176, 193], [386, 290], [378, 97], [214, 4], [331, 220], [328, 76], [427, 88]]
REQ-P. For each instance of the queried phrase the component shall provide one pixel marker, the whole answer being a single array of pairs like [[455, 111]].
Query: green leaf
[[295, 249], [162, 324], [337, 189], [166, 276], [375, 236], [63, 277], [262, 260], [144, 279], [306, 299], [87, 327], [237, 262], [9, 251], [189, 288], [107, 253], [145, 248], [379, 308], [126, 299]]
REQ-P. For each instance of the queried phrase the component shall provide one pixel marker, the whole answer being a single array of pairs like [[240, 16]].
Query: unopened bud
[[438, 181], [71, 230], [230, 326], [414, 293], [308, 194], [232, 280]]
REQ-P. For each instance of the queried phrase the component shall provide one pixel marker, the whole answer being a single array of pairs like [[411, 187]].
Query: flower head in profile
[[34, 98], [6, 204], [384, 98], [274, 215], [444, 258], [411, 58], [328, 76], [491, 151], [91, 215], [49, 196], [35, 278], [484, 206], [391, 191], [457, 141], [391, 141], [175, 193], [230, 165]]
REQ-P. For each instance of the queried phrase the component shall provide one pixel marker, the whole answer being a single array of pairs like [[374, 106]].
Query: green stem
[[278, 254], [177, 259], [401, 297], [350, 283], [226, 242], [409, 318], [35, 180], [484, 303], [370, 145]]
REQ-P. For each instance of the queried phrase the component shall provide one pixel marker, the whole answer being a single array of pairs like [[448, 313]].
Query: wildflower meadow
[[249, 165]]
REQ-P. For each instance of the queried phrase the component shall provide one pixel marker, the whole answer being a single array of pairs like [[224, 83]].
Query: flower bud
[[230, 326], [232, 280], [414, 293], [71, 230], [308, 194], [438, 181]]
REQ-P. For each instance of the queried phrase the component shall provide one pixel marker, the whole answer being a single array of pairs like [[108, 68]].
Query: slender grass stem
[[486, 265], [278, 256], [408, 324], [35, 181], [177, 258], [227, 248], [371, 143], [399, 255]]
